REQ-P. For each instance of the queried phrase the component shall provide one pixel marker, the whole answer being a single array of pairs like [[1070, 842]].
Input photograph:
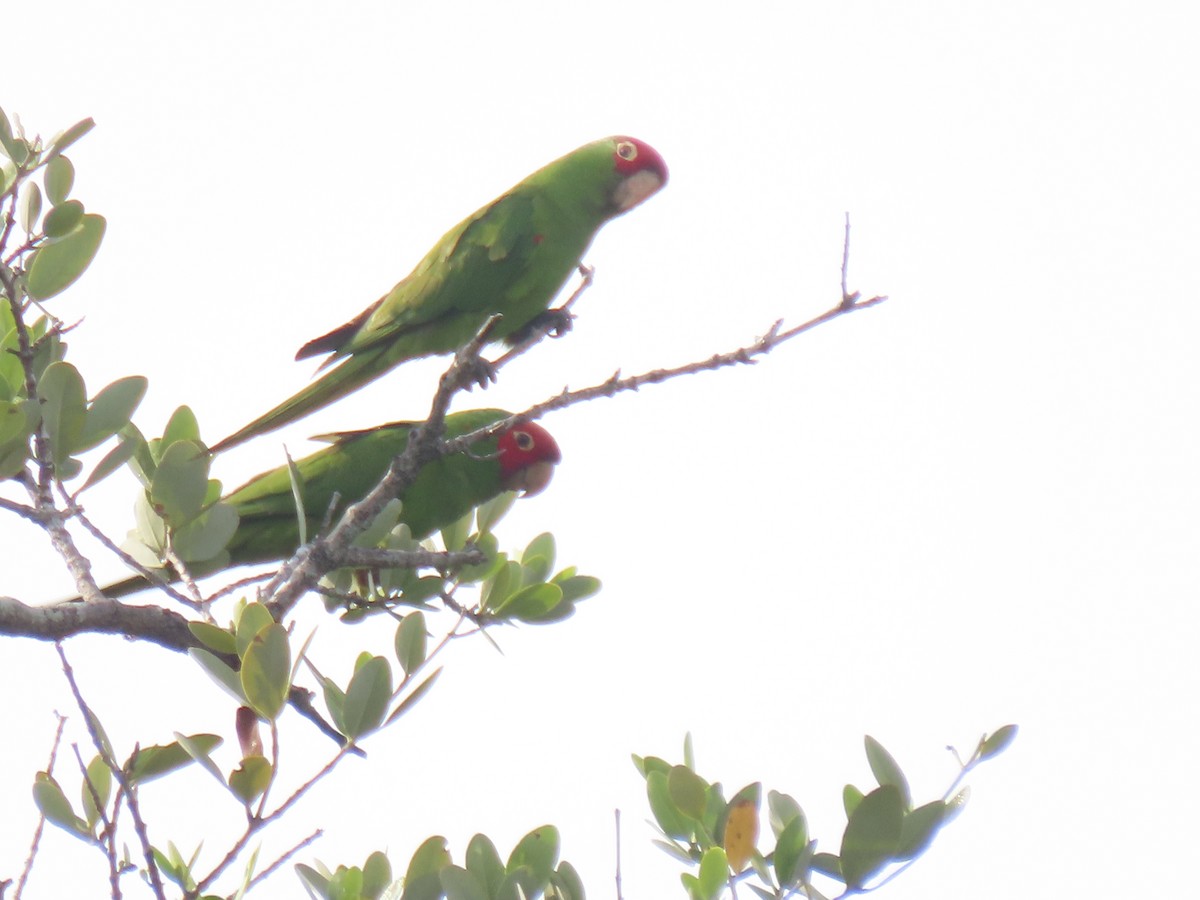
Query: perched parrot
[[520, 459], [510, 257]]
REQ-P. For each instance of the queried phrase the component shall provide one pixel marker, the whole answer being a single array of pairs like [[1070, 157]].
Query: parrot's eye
[[523, 440], [627, 150]]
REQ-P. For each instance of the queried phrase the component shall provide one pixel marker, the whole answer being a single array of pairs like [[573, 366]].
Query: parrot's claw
[[479, 372], [553, 323]]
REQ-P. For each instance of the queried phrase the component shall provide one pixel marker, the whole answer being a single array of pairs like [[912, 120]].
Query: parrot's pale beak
[[636, 188], [532, 479]]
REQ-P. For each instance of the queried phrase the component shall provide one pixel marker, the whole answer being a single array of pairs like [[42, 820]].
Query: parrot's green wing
[[510, 258]]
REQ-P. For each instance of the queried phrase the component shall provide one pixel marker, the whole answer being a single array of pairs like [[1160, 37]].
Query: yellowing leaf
[[741, 833]]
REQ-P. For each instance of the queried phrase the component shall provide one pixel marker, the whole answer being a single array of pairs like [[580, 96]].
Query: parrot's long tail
[[117, 589], [347, 377]]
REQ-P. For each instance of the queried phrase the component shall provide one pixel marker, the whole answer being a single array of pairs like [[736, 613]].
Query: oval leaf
[[411, 637], [111, 410], [367, 697], [63, 412], [265, 670], [55, 267], [997, 742], [63, 219], [885, 769], [871, 835], [250, 780], [180, 483], [60, 178], [687, 791]]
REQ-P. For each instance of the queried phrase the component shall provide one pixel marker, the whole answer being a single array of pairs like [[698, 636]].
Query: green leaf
[[221, 673], [534, 603], [782, 808], [182, 426], [827, 864], [63, 411], [335, 701], [63, 219], [460, 884], [454, 535], [59, 179], [885, 769], [538, 558], [313, 879], [180, 483], [219, 640], [30, 207], [493, 511], [367, 697], [484, 863], [566, 884], [250, 619], [161, 759], [411, 637], [14, 420], [577, 587], [111, 410], [498, 590], [113, 460], [6, 135], [871, 835], [714, 873], [95, 797], [265, 669], [204, 537], [851, 797], [996, 743], [534, 858], [789, 848], [55, 267], [68, 137], [674, 824], [489, 546], [53, 804], [688, 791], [377, 875], [919, 829], [421, 881], [250, 780]]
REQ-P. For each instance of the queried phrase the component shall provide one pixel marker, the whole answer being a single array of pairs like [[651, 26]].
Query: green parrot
[[510, 257], [519, 459]]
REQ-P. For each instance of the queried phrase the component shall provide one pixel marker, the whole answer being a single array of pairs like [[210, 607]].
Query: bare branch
[[37, 831], [90, 722], [270, 870]]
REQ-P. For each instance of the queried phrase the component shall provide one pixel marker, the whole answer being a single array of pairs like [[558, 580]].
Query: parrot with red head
[[520, 458]]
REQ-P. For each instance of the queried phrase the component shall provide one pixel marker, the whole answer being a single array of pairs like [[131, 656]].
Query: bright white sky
[[976, 504]]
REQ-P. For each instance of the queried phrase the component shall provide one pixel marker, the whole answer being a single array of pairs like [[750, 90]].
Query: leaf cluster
[[883, 828], [532, 870]]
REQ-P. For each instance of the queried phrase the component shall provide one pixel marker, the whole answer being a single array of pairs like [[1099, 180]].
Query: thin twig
[[256, 824], [270, 870], [37, 831], [139, 826]]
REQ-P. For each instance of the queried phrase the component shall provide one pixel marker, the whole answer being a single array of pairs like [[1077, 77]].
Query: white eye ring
[[523, 440], [627, 150]]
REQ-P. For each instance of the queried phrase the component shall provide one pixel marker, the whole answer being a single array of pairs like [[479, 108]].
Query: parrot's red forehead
[[632, 155], [524, 445]]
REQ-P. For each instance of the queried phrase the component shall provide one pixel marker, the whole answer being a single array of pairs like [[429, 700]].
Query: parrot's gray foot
[[478, 371], [553, 323]]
